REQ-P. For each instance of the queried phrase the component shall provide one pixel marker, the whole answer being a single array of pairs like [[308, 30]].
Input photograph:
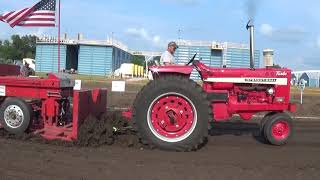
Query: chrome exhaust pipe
[[250, 27]]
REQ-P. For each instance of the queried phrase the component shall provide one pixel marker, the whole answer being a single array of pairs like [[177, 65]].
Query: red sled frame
[[45, 95]]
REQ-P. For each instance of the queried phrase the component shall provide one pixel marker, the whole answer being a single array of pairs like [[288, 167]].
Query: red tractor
[[173, 112]]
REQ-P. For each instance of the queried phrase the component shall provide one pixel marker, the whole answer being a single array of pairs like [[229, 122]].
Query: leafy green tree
[[17, 48], [138, 60], [7, 51]]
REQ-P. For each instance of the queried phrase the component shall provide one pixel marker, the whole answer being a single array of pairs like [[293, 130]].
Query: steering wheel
[[192, 59]]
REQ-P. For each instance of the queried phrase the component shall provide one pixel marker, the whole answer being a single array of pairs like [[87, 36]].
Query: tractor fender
[[157, 71]]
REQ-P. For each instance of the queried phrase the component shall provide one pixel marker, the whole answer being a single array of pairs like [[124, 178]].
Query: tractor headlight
[[270, 91]]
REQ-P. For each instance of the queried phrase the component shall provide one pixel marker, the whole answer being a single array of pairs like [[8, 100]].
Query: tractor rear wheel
[[278, 129], [15, 115], [172, 113]]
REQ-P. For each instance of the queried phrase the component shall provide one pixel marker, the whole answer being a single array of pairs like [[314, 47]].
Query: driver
[[167, 58]]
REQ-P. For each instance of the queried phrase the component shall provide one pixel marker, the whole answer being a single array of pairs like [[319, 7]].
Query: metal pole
[[250, 27], [59, 25], [112, 33], [146, 74], [252, 47], [179, 36]]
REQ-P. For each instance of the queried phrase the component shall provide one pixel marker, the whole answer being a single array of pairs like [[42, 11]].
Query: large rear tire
[[172, 113]]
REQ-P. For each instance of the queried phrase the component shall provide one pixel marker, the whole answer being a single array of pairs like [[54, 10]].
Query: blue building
[[86, 57], [216, 54], [311, 77]]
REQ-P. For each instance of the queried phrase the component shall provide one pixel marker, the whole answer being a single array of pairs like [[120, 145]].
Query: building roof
[[312, 74], [67, 41]]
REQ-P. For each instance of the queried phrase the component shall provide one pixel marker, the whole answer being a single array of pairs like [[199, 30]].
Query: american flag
[[43, 14]]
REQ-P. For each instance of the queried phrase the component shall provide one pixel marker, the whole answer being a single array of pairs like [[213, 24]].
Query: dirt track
[[234, 151]]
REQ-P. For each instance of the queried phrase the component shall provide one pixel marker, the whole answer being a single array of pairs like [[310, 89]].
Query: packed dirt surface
[[109, 149], [234, 151], [310, 106]]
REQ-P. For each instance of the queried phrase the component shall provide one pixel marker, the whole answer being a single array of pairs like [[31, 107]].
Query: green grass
[[307, 91], [81, 77], [93, 78]]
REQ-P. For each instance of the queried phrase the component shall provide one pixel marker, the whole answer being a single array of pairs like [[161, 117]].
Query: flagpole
[[59, 38]]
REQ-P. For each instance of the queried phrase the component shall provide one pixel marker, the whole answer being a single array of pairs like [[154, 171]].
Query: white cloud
[[138, 33], [143, 34], [289, 34], [156, 39], [266, 29]]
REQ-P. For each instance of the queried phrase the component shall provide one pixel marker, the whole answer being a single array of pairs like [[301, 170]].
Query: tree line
[[17, 48]]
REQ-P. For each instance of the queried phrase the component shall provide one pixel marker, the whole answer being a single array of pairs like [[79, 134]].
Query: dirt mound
[[110, 129], [124, 135], [95, 132]]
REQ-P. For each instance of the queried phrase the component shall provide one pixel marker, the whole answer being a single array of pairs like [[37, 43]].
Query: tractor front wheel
[[278, 129], [172, 113], [263, 122]]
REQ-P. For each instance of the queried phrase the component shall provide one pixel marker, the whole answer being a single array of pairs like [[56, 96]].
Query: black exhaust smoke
[[250, 27]]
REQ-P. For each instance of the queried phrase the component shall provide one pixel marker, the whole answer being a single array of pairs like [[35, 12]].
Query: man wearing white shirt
[[167, 58]]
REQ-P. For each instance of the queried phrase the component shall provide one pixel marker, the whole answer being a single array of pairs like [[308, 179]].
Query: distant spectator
[[72, 71], [26, 71]]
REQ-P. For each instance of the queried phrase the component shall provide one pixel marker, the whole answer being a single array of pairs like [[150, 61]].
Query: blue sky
[[290, 27]]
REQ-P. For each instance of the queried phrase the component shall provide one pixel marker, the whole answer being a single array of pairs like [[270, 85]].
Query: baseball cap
[[172, 43]]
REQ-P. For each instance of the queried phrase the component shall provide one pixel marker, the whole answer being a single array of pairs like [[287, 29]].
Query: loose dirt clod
[[7, 135], [95, 132], [111, 128]]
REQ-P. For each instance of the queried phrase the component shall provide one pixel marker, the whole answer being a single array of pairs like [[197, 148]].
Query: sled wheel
[[15, 115]]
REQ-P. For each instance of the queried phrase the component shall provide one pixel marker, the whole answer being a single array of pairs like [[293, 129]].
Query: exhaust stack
[[250, 27]]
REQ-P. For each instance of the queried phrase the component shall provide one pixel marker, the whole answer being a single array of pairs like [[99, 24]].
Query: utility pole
[[179, 35], [59, 35], [112, 34]]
